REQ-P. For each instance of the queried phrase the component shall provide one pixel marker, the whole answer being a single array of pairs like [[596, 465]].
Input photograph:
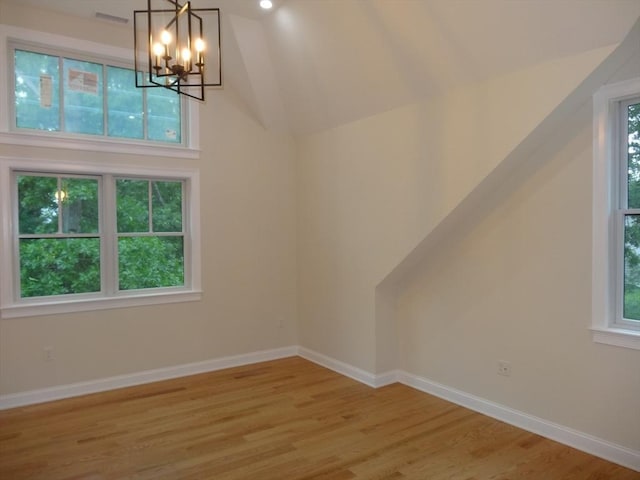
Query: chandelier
[[177, 47]]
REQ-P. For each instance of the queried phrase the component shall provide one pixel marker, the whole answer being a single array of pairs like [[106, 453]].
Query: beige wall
[[247, 177], [352, 202], [518, 288], [369, 192]]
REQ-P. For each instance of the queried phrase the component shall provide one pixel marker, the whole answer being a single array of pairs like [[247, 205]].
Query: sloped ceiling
[[340, 60], [309, 65]]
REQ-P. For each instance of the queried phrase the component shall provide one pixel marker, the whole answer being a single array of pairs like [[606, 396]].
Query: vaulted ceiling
[[308, 65]]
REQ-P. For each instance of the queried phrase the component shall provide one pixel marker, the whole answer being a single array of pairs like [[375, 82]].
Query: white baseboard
[[581, 441], [139, 378], [565, 435], [347, 370]]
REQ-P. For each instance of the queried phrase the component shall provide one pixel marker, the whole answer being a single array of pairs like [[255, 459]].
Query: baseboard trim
[[581, 441], [362, 376], [587, 443], [139, 378]]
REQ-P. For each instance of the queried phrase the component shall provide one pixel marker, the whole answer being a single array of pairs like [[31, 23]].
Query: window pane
[[59, 266], [167, 206], [133, 205], [37, 204], [633, 155], [163, 115], [37, 91], [632, 267], [124, 104], [150, 262], [79, 205], [83, 107]]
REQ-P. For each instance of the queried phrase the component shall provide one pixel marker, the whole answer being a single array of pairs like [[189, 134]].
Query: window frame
[[11, 306], [61, 45], [609, 173]]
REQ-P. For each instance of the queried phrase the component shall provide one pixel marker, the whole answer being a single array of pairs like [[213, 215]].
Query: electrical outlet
[[504, 368], [48, 354]]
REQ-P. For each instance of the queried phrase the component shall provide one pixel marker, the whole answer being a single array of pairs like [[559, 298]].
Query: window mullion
[[105, 116], [108, 234], [16, 293], [61, 98], [619, 231], [59, 204], [145, 117], [150, 200], [186, 235]]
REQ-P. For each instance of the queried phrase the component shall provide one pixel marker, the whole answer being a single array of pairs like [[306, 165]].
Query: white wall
[[248, 251]]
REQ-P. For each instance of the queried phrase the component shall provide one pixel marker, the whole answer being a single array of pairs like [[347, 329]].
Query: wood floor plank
[[286, 419]]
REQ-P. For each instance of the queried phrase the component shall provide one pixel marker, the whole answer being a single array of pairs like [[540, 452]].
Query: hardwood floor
[[286, 419]]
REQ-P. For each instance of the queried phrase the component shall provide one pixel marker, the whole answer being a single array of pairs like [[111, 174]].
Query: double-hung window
[[616, 215], [628, 315], [81, 237]]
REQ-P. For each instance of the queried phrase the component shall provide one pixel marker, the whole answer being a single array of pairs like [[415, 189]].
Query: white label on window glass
[[80, 81], [46, 89], [170, 134]]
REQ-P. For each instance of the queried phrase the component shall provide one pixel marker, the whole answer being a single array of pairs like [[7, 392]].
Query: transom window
[[60, 92], [72, 95]]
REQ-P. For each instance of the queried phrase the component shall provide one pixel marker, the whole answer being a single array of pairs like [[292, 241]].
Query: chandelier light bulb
[[165, 37], [158, 49], [199, 44], [266, 4]]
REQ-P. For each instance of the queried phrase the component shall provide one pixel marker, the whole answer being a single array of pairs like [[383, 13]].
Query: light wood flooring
[[287, 419]]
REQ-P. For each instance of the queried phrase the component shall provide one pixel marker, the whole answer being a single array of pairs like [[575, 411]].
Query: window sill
[[85, 305], [98, 144], [618, 337]]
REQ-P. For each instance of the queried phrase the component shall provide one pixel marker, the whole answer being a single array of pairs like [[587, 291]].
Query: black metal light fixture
[[177, 47]]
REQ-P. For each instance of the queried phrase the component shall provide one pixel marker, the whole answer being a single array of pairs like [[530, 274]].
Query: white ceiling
[[308, 65], [125, 8]]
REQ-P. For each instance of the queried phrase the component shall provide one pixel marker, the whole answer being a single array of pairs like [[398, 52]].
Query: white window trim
[[604, 268], [8, 32], [10, 307]]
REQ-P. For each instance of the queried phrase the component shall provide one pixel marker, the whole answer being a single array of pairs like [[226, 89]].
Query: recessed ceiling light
[[266, 4]]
